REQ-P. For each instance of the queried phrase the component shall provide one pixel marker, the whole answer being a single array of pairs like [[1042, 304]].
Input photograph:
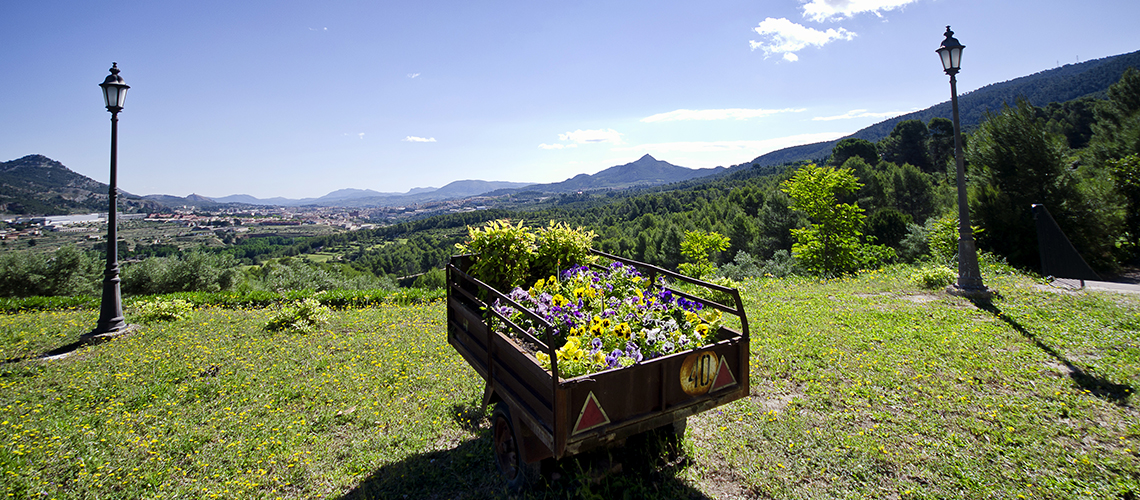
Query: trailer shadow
[[645, 468], [1107, 390]]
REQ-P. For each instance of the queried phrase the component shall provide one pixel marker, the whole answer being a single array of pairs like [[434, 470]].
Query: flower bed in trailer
[[608, 318]]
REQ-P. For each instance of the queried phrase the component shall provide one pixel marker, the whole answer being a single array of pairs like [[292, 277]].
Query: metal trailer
[[540, 416]]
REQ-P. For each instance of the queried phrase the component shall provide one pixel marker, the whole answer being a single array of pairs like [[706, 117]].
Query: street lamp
[[969, 277], [111, 321]]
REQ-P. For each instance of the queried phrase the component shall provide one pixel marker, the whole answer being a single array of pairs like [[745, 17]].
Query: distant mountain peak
[[646, 158], [33, 161]]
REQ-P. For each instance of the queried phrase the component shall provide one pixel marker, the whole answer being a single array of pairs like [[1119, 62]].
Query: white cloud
[[557, 146], [859, 113], [413, 75], [361, 135], [592, 136], [412, 138], [825, 10], [715, 114], [751, 147], [785, 37]]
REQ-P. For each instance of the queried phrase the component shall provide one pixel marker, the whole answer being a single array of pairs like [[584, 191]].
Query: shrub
[[68, 271], [431, 280], [743, 266], [559, 247], [934, 277], [303, 316], [192, 272], [782, 264], [511, 256], [505, 253], [162, 310]]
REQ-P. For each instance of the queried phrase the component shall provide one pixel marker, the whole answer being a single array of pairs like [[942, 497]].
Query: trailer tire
[[508, 455]]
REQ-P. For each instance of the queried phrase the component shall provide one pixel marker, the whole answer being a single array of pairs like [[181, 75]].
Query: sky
[[302, 98]]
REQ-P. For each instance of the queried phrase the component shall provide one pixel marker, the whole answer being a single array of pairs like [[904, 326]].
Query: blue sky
[[297, 99]]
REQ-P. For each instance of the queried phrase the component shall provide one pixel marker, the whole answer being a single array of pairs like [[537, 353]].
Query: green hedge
[[254, 299]]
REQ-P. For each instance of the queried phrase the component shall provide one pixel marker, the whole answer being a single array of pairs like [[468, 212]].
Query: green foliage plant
[[830, 243], [558, 246], [698, 247], [155, 310], [934, 277], [505, 253], [942, 237], [67, 271], [304, 316], [432, 280], [190, 272], [511, 255], [1126, 173]]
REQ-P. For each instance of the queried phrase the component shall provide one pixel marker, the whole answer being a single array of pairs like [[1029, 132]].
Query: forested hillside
[[1089, 79]]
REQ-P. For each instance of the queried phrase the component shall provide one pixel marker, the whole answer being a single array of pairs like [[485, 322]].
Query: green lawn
[[867, 387]]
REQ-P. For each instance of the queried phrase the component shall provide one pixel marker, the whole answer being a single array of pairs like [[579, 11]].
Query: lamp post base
[[981, 294], [97, 337]]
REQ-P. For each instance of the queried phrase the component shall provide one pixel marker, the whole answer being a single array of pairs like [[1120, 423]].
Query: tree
[[911, 191], [907, 144], [1116, 133], [1020, 163], [888, 226], [698, 248], [1126, 174], [941, 143], [830, 244], [850, 147]]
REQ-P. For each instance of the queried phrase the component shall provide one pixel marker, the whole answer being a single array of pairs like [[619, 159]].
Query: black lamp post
[[111, 321], [969, 277]]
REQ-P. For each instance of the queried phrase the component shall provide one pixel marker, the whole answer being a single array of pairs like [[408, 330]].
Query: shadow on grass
[[1097, 386], [648, 466]]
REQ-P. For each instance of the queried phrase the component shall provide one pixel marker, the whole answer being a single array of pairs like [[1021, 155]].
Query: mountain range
[[36, 184], [1071, 81]]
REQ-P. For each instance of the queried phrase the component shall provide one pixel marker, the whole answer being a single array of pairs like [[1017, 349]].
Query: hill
[[36, 184], [1071, 81], [646, 171]]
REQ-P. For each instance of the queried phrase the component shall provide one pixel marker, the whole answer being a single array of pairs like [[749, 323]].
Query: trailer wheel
[[508, 456]]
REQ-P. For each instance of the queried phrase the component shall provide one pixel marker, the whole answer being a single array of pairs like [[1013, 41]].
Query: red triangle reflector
[[724, 377], [591, 416]]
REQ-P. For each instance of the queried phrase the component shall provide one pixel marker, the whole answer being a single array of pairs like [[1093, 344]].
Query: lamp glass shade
[[945, 54], [951, 57], [114, 95]]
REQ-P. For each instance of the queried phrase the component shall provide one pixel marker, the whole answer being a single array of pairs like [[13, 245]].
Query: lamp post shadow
[[1100, 387]]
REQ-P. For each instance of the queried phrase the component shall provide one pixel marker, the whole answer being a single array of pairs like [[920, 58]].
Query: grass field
[[867, 387]]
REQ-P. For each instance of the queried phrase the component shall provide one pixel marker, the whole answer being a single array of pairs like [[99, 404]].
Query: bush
[[432, 280], [68, 271], [162, 310], [935, 277], [505, 253], [296, 274], [782, 264], [559, 247], [915, 245], [302, 316], [192, 272], [510, 256], [742, 266]]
